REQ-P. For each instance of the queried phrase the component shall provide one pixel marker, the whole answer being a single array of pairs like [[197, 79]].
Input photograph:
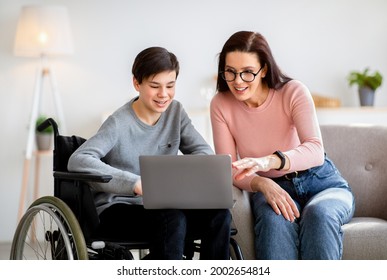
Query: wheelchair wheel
[[48, 231]]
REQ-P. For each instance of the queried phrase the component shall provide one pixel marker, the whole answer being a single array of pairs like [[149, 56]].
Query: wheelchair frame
[[59, 226]]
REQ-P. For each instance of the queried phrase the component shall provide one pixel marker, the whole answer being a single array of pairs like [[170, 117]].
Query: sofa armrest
[[243, 221]]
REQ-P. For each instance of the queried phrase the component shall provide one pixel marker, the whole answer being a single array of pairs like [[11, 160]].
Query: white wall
[[318, 42]]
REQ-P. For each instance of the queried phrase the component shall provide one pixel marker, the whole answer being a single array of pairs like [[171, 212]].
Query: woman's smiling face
[[247, 92]]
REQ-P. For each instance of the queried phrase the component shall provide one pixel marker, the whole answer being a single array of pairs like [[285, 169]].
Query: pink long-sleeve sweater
[[286, 121]]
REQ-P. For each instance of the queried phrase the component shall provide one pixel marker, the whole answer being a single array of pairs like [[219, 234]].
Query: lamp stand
[[43, 72]]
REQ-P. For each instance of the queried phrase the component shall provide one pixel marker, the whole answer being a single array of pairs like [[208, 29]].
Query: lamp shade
[[43, 30]]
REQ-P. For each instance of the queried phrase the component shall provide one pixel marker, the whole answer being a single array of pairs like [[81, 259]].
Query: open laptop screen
[[186, 181]]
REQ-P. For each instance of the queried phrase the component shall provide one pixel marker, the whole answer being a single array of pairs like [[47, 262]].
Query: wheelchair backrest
[[65, 146], [76, 194]]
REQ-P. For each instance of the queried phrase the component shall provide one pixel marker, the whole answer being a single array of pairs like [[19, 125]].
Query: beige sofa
[[360, 153]]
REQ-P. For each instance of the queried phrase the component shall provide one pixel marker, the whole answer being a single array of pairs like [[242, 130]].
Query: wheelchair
[[60, 227]]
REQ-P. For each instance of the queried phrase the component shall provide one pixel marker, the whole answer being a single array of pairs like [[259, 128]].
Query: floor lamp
[[42, 31]]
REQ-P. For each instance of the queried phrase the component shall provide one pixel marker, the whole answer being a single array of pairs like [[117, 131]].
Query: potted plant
[[367, 84], [43, 138]]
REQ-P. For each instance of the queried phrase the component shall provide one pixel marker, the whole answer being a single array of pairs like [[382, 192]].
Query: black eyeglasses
[[246, 76]]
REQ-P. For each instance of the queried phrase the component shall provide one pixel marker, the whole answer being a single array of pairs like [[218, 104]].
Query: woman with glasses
[[267, 122]]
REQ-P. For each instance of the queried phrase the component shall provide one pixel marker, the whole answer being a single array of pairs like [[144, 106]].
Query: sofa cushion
[[360, 154], [365, 239]]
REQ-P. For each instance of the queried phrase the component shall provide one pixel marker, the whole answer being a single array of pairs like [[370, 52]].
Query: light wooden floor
[[5, 249]]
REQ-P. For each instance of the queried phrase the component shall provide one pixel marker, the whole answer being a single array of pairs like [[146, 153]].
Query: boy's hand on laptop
[[249, 166], [138, 188]]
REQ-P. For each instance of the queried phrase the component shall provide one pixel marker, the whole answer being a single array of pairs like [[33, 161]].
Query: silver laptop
[[186, 181]]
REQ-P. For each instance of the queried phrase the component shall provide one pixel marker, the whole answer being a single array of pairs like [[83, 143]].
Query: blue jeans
[[325, 202], [172, 228]]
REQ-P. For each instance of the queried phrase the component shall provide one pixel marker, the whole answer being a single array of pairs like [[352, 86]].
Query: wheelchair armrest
[[87, 177]]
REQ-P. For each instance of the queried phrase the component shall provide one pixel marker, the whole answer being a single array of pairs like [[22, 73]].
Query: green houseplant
[[43, 138], [367, 85]]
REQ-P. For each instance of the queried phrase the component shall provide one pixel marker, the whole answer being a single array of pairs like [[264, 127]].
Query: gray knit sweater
[[122, 138]]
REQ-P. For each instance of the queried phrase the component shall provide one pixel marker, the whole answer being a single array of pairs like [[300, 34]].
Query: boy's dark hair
[[152, 61]]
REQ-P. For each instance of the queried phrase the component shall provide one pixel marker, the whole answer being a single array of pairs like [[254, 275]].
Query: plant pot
[[43, 141], [366, 96]]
